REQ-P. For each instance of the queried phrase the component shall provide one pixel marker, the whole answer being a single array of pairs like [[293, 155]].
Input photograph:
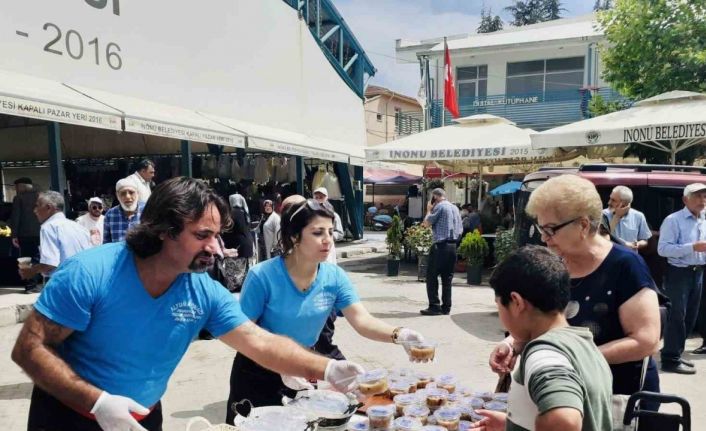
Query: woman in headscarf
[[238, 238]]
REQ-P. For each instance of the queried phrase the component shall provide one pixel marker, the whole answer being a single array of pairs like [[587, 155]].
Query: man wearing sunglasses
[[93, 220]]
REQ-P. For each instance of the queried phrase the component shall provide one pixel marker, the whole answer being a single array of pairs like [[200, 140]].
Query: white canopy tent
[[475, 141], [670, 122]]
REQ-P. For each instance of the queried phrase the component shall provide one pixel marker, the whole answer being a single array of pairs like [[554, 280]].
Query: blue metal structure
[[337, 41]]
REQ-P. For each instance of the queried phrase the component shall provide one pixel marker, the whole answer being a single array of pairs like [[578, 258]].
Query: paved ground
[[200, 384]]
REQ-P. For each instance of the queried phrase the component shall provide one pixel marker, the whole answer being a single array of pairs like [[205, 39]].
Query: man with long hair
[[114, 321]]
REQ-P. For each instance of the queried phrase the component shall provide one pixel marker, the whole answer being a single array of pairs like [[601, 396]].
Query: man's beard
[[198, 265], [131, 208]]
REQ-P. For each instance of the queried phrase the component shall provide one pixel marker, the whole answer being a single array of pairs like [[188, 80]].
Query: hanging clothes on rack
[[319, 175], [262, 170], [236, 171], [249, 169], [291, 169], [333, 186], [223, 166], [210, 166]]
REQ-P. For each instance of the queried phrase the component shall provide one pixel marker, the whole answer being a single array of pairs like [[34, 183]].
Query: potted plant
[[419, 238], [394, 246], [473, 249], [505, 244]]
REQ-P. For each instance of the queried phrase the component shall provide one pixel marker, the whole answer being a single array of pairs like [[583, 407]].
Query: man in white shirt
[[143, 178], [625, 222], [59, 237], [321, 196], [93, 220]]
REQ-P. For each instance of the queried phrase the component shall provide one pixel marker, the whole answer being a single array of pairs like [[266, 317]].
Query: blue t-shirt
[[126, 342], [271, 299]]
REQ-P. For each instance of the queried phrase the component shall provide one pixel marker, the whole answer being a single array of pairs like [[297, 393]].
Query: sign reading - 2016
[[101, 4], [72, 42]]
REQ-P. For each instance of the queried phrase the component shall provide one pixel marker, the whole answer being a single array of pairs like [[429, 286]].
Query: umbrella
[[506, 189], [465, 147], [670, 122]]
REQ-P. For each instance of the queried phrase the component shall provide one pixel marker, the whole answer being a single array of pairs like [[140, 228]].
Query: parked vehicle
[[657, 192], [382, 222]]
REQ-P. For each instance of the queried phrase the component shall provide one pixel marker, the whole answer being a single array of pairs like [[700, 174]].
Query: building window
[[544, 76], [379, 117], [472, 82]]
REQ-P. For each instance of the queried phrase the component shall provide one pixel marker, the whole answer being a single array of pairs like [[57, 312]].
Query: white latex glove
[[341, 375], [407, 336], [112, 413], [296, 383]]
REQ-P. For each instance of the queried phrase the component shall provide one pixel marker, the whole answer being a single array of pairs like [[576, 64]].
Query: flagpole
[[443, 99]]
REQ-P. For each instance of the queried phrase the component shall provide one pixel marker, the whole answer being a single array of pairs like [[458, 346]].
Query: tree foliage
[[603, 5], [654, 46], [526, 12], [488, 22]]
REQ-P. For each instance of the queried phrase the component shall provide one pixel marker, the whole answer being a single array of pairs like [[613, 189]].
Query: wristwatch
[[396, 334]]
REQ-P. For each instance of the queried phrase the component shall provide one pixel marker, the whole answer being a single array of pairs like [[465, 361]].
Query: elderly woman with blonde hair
[[612, 292]]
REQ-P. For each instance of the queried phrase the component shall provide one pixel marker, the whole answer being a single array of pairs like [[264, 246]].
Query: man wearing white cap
[[682, 241], [93, 220], [122, 217], [321, 196]]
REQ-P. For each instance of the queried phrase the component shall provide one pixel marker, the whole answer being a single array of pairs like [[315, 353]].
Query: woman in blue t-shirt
[[612, 292], [293, 294]]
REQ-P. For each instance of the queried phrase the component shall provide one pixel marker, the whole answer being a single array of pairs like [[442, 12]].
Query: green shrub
[[393, 238], [473, 248], [504, 244]]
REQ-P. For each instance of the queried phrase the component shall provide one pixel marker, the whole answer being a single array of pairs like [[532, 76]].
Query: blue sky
[[377, 23]]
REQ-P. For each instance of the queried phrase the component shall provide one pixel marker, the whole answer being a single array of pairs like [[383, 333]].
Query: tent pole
[[373, 194], [480, 184], [466, 192], [674, 151]]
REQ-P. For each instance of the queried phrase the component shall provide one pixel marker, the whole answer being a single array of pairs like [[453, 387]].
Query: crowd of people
[[583, 313]]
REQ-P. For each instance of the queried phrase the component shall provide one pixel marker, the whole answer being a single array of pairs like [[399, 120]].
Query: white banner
[[181, 132], [487, 153], [297, 150], [62, 114]]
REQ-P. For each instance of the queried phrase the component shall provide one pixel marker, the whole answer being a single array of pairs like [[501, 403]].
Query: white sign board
[[254, 61]]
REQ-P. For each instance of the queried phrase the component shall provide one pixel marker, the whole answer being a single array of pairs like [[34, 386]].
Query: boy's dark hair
[[536, 274]]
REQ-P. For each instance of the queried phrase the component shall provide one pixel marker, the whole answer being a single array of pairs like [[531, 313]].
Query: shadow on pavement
[[17, 391], [396, 315], [482, 324], [214, 412]]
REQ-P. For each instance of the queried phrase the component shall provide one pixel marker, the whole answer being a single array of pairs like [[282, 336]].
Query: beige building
[[382, 115]]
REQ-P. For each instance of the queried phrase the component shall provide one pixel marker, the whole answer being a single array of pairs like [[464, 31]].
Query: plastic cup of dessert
[[433, 428], [418, 411], [447, 381], [373, 382], [24, 262], [406, 423], [380, 417], [448, 417], [399, 387], [404, 400], [422, 350], [486, 396], [436, 397], [501, 396], [423, 379], [495, 406], [358, 426]]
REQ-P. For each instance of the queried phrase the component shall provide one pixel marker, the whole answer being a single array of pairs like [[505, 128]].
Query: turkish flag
[[450, 100]]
